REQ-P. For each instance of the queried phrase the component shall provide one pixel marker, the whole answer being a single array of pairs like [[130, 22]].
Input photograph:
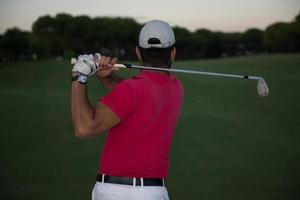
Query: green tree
[[297, 19], [77, 35], [52, 30], [206, 44], [40, 47], [283, 37], [183, 43], [296, 25], [272, 36], [289, 38], [15, 44], [231, 44], [115, 35], [253, 40], [1, 48], [44, 27]]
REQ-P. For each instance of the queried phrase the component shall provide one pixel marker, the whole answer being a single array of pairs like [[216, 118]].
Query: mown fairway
[[229, 144]]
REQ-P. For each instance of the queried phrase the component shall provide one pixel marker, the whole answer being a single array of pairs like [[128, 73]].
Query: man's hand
[[85, 64], [105, 74], [106, 64], [103, 66], [90, 64]]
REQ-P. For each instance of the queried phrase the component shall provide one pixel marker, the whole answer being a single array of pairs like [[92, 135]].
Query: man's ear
[[173, 54], [138, 53]]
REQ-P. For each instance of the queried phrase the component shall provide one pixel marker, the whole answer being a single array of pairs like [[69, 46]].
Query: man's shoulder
[[134, 83], [141, 81], [134, 80]]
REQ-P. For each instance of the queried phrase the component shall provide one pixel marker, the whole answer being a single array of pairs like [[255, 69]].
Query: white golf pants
[[109, 191]]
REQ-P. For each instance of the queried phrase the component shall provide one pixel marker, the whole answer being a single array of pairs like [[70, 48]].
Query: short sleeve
[[120, 100]]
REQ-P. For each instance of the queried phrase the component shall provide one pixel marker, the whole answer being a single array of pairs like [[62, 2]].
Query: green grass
[[229, 144]]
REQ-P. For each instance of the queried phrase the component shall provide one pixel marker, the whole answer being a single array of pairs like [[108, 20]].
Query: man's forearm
[[81, 108], [110, 81]]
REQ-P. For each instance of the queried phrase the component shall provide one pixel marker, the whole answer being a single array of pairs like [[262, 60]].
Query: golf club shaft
[[189, 71]]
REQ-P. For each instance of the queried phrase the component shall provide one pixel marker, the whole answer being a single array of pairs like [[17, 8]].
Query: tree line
[[65, 36]]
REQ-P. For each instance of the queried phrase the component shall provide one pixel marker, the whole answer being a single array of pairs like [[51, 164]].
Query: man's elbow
[[85, 133]]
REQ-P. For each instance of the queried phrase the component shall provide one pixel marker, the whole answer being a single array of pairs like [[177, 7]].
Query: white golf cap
[[156, 34]]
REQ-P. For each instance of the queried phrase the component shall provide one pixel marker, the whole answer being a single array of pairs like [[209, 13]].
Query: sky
[[217, 15]]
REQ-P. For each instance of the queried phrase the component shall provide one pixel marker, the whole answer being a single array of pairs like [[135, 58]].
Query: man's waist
[[130, 181], [128, 167]]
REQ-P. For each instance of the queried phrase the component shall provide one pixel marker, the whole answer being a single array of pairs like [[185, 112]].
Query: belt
[[130, 181]]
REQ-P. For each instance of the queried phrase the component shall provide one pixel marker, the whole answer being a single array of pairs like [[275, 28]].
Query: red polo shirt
[[148, 106]]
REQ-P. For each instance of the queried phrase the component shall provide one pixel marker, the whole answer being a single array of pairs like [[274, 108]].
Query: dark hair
[[156, 57]]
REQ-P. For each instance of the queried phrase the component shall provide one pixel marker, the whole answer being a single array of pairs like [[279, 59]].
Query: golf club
[[262, 87]]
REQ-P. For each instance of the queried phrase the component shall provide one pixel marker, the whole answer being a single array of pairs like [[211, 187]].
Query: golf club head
[[262, 88]]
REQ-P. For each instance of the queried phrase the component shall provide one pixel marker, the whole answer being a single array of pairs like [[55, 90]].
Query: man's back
[[148, 106]]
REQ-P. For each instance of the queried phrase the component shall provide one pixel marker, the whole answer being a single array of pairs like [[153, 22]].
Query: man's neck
[[156, 71]]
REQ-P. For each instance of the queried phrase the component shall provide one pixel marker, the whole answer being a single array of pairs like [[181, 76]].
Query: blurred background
[[204, 29], [229, 143]]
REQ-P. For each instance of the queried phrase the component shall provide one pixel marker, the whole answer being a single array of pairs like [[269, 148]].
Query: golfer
[[141, 115]]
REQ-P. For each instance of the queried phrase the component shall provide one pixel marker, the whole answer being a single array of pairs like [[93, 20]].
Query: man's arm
[[87, 120], [109, 82]]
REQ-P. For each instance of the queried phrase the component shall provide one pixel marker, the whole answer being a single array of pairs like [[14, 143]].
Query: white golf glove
[[85, 64]]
